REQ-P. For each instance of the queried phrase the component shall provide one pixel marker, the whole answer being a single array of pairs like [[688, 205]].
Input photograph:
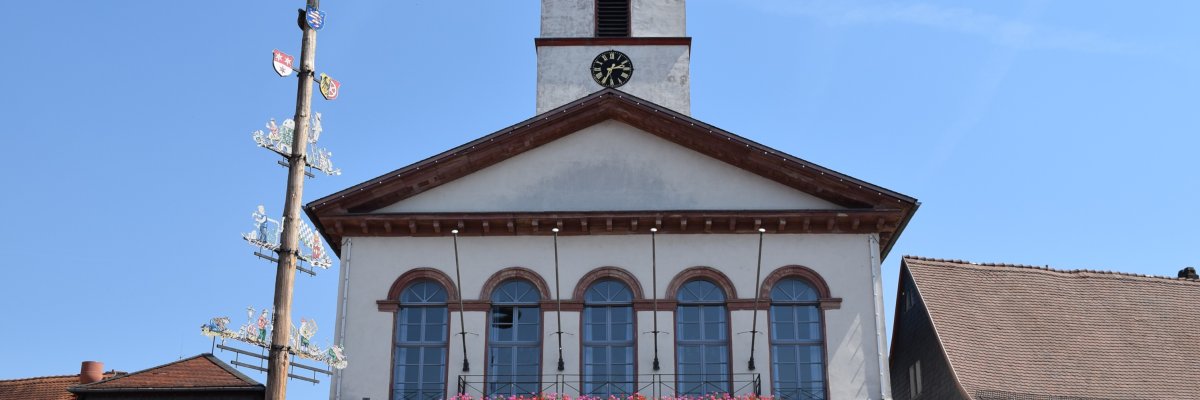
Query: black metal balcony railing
[[649, 385]]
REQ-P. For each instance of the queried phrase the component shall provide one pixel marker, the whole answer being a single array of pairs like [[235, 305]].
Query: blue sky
[[1055, 133]]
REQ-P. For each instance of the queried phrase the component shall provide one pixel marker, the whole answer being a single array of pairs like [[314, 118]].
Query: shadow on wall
[[849, 352]]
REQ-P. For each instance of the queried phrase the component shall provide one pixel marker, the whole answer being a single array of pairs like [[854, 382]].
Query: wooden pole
[[285, 273]]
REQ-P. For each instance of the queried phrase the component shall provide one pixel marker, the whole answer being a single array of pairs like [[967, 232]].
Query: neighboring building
[[604, 166], [53, 387], [998, 332], [195, 378]]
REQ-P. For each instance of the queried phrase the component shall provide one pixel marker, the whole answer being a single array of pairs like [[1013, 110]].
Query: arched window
[[701, 339], [419, 372], [608, 355], [515, 340], [797, 341]]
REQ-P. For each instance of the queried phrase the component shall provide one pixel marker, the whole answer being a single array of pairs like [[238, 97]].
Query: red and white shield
[[329, 87], [282, 63]]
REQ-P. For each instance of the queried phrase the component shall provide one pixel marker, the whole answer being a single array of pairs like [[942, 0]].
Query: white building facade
[[539, 257]]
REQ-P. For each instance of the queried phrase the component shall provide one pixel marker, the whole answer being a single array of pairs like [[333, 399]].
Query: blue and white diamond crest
[[267, 232], [314, 17]]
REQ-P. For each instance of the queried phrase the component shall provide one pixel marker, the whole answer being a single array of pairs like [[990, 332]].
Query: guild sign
[[266, 230], [266, 235], [257, 331], [329, 87], [315, 18], [278, 138], [282, 63]]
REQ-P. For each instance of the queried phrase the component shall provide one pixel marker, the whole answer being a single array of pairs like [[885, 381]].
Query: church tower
[[639, 47]]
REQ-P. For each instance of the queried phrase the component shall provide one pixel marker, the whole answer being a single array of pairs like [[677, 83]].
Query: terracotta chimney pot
[[91, 371]]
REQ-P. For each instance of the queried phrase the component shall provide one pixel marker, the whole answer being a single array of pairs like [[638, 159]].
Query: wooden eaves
[[869, 208]]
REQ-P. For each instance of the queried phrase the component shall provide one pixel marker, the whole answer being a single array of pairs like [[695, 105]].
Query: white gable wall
[[609, 166]]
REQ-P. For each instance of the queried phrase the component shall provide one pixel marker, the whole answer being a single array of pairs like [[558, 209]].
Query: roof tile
[[202, 371], [1082, 333], [41, 388]]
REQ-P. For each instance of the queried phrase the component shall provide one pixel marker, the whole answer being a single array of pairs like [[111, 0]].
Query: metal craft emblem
[[278, 138], [257, 331], [329, 87], [314, 17], [266, 234], [266, 230], [282, 63]]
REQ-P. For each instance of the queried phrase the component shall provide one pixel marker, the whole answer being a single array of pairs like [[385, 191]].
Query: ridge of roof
[[49, 387], [230, 369], [106, 380], [111, 373], [99, 385], [38, 377], [1047, 268]]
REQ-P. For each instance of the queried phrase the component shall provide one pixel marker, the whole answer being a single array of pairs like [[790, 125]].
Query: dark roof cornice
[[611, 104]]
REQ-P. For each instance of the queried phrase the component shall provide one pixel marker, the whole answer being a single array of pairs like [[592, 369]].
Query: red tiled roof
[[1081, 333], [200, 372], [41, 388]]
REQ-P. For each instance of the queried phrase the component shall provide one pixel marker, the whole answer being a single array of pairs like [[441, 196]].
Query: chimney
[[91, 371], [1189, 273]]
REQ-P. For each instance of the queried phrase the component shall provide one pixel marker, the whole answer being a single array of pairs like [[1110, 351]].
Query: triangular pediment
[[609, 166], [612, 152]]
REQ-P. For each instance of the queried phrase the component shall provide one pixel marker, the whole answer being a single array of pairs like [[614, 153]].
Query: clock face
[[611, 69]]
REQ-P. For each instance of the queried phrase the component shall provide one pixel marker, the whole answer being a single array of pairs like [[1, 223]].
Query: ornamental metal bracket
[[266, 235], [278, 139], [257, 332]]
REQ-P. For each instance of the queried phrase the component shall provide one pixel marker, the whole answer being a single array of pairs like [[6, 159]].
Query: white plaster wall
[[610, 166], [476, 322], [570, 341], [844, 261], [660, 75], [741, 321], [658, 18], [645, 341], [568, 18]]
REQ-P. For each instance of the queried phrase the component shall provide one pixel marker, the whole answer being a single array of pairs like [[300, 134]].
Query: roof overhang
[[869, 208]]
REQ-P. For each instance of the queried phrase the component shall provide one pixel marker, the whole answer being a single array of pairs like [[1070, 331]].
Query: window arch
[[709, 274], [608, 339], [514, 339], [419, 361], [797, 340], [701, 339], [608, 273]]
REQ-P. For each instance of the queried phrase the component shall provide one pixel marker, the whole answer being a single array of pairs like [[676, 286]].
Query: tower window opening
[[612, 18]]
